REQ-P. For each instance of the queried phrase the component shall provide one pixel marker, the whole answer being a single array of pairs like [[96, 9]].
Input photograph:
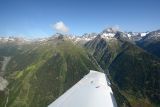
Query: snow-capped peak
[[13, 39], [109, 33], [154, 35]]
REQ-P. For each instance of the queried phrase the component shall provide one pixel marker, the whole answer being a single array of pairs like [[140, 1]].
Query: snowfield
[[93, 90]]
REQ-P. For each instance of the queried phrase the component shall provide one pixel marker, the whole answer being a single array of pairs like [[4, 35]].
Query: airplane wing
[[93, 90]]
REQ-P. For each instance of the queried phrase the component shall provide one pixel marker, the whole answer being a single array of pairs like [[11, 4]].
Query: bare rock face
[[3, 83]]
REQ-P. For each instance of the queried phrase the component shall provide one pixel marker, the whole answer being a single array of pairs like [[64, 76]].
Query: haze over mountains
[[35, 72]]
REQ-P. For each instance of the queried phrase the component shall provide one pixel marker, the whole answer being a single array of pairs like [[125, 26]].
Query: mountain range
[[35, 72]]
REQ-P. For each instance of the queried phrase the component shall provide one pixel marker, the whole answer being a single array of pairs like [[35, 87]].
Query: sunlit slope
[[41, 72]]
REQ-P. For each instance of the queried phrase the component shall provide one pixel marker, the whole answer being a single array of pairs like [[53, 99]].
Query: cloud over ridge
[[60, 27]]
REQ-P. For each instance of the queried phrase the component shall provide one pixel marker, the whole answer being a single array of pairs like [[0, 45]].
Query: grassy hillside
[[39, 73]]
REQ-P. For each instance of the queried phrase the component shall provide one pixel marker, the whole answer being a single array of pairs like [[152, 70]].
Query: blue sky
[[37, 18]]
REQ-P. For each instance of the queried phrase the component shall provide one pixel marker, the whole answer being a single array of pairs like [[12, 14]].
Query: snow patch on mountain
[[5, 62], [3, 83], [143, 34]]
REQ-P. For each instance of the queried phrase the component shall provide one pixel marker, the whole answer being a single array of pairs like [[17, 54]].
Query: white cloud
[[115, 28], [112, 29], [61, 27]]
